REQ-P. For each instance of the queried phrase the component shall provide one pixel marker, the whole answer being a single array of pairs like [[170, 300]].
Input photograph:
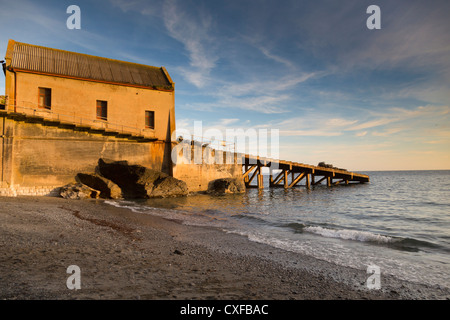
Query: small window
[[150, 119], [45, 98], [102, 110]]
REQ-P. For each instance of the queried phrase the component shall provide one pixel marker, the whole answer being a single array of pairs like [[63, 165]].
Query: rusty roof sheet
[[77, 65]]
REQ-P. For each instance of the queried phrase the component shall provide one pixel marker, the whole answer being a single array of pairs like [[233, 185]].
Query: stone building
[[64, 110]]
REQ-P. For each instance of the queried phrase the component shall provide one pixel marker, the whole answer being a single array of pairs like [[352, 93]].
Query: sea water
[[400, 221]]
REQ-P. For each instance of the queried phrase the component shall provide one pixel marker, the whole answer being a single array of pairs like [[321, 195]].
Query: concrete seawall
[[38, 157], [201, 165]]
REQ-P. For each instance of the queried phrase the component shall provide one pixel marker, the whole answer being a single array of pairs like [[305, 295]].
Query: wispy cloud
[[312, 124], [374, 124], [188, 25], [264, 104], [227, 122], [261, 43], [277, 58], [361, 134], [387, 133], [388, 122], [262, 96], [371, 124], [193, 32]]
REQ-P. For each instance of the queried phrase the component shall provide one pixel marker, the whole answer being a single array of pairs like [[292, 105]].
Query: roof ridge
[[64, 63], [85, 54]]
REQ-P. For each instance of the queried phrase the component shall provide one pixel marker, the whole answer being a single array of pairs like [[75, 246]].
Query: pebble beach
[[125, 255]]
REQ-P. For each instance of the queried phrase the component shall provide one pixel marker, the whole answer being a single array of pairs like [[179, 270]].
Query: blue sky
[[336, 91]]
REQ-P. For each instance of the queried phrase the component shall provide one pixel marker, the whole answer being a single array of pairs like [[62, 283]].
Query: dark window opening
[[2, 102], [102, 110], [150, 119], [45, 98]]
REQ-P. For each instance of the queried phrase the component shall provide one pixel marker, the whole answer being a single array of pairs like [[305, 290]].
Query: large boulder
[[168, 187], [78, 191], [137, 181], [226, 185], [107, 188]]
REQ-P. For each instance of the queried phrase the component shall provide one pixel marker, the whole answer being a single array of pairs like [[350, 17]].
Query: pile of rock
[[78, 191], [119, 179]]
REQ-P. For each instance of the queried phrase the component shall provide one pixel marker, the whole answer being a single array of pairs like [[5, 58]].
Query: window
[[102, 110], [150, 119], [45, 98]]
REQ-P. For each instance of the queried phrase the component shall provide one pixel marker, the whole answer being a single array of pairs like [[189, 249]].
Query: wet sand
[[126, 255]]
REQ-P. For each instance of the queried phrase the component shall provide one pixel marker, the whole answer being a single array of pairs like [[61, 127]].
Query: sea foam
[[347, 234]]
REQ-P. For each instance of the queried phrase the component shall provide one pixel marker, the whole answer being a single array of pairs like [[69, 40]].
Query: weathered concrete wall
[[36, 159], [37, 155], [199, 166], [198, 176]]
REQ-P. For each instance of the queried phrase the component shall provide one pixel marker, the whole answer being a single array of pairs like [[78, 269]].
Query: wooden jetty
[[313, 175]]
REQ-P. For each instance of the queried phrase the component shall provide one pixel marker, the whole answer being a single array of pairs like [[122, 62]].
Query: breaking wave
[[346, 234], [404, 244]]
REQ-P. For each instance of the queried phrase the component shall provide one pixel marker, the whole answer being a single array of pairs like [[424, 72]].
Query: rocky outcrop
[[137, 181], [119, 179], [226, 185], [107, 188], [78, 191]]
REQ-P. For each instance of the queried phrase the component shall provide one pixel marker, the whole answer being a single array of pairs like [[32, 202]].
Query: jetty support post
[[260, 179], [308, 181], [286, 184]]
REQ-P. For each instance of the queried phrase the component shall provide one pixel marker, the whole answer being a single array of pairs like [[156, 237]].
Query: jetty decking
[[313, 175]]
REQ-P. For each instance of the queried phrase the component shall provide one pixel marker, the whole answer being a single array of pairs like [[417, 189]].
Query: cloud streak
[[193, 33], [389, 123], [261, 96]]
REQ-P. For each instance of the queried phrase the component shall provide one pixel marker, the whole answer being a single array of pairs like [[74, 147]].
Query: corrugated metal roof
[[72, 64]]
